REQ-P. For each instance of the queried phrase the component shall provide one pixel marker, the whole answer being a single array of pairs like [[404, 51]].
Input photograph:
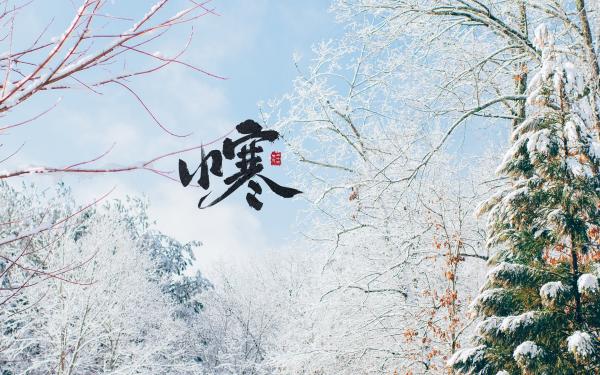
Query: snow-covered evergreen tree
[[172, 259], [540, 305]]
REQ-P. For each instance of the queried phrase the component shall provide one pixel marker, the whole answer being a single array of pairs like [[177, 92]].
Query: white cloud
[[227, 230]]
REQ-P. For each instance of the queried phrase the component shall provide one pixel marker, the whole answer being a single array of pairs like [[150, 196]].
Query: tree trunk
[[574, 278], [592, 60], [521, 68]]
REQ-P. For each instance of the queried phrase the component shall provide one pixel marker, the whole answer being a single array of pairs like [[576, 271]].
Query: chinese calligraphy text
[[248, 164]]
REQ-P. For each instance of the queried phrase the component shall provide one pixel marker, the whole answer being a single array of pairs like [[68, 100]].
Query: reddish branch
[[76, 168], [75, 52]]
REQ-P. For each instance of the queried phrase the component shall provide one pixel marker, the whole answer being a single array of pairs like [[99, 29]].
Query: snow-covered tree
[[404, 254], [404, 104], [107, 306], [255, 312], [540, 303]]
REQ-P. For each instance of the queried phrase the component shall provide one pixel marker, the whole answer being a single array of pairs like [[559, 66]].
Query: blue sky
[[251, 43]]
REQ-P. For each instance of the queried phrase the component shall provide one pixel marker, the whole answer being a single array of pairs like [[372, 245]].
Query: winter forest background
[[448, 151]]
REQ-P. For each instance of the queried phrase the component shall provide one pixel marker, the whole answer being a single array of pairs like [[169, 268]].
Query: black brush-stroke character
[[249, 166]]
